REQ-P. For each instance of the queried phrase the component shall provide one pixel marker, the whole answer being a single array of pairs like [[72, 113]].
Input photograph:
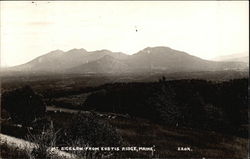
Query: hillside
[[106, 64]]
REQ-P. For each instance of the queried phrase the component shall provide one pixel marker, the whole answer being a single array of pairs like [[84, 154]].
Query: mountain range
[[150, 59]]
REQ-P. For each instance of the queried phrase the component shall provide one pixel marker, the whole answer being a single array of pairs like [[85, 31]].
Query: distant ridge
[[240, 57]]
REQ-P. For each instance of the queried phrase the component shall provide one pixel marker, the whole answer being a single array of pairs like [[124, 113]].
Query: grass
[[141, 132], [167, 140]]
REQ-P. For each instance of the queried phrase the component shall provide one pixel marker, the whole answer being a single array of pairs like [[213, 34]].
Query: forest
[[189, 103]]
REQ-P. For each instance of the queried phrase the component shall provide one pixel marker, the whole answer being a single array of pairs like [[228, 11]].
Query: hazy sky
[[204, 29]]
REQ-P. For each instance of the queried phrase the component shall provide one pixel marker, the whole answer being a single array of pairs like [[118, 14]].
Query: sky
[[206, 29]]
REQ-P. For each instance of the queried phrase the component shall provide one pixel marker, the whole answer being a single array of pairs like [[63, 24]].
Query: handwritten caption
[[135, 148]]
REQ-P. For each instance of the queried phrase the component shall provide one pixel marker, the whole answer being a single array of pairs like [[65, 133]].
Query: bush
[[23, 105], [92, 131], [87, 130]]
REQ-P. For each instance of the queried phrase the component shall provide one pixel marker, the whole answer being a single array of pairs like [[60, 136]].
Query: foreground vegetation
[[208, 118]]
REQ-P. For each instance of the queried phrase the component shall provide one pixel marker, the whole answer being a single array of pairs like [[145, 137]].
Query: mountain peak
[[56, 51], [157, 49], [77, 50], [101, 51]]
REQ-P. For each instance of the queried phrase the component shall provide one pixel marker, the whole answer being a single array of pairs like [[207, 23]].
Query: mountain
[[53, 61], [148, 60], [61, 61], [153, 60], [106, 64], [240, 57], [165, 58], [170, 60]]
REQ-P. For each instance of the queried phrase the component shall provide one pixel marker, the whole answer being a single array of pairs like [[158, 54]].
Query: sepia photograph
[[124, 79]]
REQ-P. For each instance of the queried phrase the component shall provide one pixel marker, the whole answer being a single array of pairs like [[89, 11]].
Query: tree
[[23, 105], [163, 107]]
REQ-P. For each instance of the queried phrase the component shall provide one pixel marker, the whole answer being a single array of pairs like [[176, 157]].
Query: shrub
[[88, 130], [23, 104], [92, 131]]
